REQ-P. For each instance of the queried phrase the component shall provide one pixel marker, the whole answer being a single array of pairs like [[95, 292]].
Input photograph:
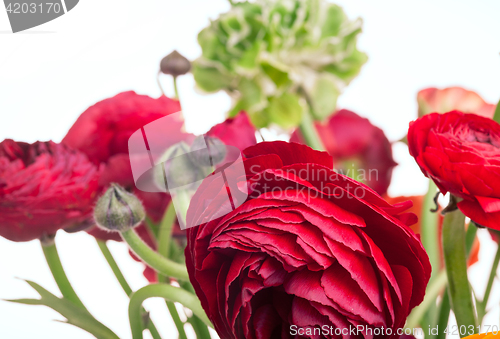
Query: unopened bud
[[118, 210], [207, 151], [178, 168], [175, 64]]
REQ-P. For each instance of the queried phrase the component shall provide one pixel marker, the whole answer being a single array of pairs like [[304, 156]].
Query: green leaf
[[249, 58], [278, 76], [324, 97], [334, 18], [250, 92], [496, 116], [75, 315], [285, 110], [259, 119], [210, 79]]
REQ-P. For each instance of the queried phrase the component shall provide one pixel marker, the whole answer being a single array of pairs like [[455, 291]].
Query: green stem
[[114, 266], [165, 231], [177, 319], [153, 259], [496, 115], [182, 199], [165, 291], [176, 89], [309, 132], [493, 273], [456, 268], [470, 236], [152, 228], [164, 240], [123, 282], [159, 82], [200, 328], [431, 294], [54, 262], [445, 307], [443, 316], [429, 229]]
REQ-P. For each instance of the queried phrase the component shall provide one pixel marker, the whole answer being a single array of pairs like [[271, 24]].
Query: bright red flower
[[444, 100], [309, 247], [349, 138], [44, 187], [461, 154]]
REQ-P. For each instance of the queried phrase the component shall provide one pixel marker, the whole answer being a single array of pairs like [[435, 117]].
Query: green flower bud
[[118, 210], [178, 168], [175, 64], [207, 151]]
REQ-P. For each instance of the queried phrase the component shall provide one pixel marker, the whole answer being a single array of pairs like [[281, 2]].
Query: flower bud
[[207, 151], [175, 64], [178, 168], [118, 210]]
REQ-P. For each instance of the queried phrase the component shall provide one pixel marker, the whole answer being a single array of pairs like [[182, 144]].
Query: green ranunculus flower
[[270, 55]]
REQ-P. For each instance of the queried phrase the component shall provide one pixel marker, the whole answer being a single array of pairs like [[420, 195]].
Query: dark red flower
[[44, 187], [461, 154], [237, 131], [309, 247], [349, 138]]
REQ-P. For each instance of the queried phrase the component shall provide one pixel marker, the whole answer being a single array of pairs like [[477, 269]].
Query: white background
[[52, 73]]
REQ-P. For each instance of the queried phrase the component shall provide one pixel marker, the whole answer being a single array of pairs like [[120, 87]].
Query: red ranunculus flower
[[444, 100], [461, 154], [237, 131], [349, 138], [309, 247], [44, 187], [102, 132]]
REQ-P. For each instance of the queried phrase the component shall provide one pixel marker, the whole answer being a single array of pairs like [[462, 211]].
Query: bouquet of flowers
[[259, 238]]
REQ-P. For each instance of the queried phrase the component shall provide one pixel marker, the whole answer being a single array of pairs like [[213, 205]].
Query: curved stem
[[123, 282], [165, 291], [456, 268], [309, 132], [153, 259], [54, 262]]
